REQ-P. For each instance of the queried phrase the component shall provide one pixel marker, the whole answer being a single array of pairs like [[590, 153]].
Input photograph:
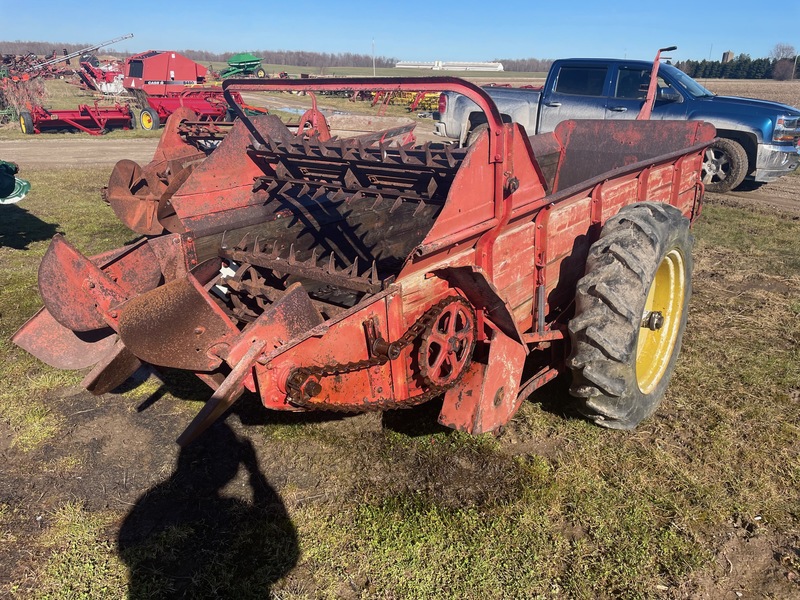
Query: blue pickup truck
[[756, 139]]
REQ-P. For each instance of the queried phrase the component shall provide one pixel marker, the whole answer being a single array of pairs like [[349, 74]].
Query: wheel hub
[[661, 321], [716, 166]]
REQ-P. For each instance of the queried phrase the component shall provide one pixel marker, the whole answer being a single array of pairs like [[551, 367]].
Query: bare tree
[[781, 51], [785, 59], [782, 71]]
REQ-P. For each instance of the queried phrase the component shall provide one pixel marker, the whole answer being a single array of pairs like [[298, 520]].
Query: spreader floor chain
[[449, 357]]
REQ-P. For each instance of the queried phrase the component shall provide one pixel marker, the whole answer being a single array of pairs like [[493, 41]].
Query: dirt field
[[108, 501], [782, 196]]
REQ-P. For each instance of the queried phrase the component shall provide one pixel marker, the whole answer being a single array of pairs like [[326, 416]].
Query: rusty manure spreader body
[[368, 273]]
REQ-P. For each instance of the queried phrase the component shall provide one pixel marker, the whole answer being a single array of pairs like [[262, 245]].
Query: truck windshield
[[690, 85]]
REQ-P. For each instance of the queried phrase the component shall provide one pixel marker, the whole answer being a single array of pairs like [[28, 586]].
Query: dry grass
[[785, 92]]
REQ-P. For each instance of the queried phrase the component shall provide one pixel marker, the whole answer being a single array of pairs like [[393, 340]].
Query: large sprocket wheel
[[630, 314], [446, 347]]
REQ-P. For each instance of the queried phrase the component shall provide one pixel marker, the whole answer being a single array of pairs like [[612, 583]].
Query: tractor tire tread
[[610, 301]]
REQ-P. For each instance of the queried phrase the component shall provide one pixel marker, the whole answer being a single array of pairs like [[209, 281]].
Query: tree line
[[296, 58], [779, 66], [741, 67]]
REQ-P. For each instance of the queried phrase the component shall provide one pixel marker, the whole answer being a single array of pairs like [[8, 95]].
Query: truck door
[[628, 92], [576, 91]]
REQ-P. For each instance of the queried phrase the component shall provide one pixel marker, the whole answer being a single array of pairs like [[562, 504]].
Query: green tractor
[[244, 64]]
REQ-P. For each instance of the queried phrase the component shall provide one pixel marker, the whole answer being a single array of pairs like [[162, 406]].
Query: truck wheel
[[26, 122], [630, 314], [475, 133], [149, 120], [724, 166]]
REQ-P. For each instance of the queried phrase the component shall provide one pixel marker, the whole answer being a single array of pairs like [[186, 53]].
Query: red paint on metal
[[76, 292], [160, 72], [94, 120], [647, 107], [487, 397], [313, 123], [61, 347], [207, 103]]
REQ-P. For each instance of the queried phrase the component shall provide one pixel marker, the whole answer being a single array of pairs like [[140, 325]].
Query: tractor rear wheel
[[26, 122], [149, 119], [724, 166], [630, 314]]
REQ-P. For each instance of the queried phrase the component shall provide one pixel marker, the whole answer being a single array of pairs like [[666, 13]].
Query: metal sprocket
[[425, 324], [447, 342]]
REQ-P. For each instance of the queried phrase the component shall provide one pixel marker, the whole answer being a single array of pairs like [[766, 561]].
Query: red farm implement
[[105, 77], [94, 120], [354, 274], [163, 81], [208, 103]]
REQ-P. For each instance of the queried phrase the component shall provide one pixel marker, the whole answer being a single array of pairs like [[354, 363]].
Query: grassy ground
[[701, 501]]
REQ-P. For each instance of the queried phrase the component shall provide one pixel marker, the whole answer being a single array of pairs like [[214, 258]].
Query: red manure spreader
[[368, 273]]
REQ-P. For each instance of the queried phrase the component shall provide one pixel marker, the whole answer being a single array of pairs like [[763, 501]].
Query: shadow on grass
[[554, 397], [187, 538], [19, 228]]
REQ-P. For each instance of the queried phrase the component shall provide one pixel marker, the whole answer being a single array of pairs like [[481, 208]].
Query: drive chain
[[408, 338]]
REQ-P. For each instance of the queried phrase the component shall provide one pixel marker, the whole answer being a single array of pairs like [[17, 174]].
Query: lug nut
[[653, 320]]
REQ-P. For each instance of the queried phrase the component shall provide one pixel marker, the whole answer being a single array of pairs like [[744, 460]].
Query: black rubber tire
[[610, 303], [474, 134], [725, 166], [261, 73], [26, 122], [151, 121], [134, 121]]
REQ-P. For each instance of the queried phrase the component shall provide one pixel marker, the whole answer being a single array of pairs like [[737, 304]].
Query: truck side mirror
[[667, 94]]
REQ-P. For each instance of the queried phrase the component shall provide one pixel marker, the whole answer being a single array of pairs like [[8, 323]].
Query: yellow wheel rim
[[147, 121], [655, 347], [22, 124]]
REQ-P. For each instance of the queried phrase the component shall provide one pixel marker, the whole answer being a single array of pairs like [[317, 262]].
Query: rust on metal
[[61, 347]]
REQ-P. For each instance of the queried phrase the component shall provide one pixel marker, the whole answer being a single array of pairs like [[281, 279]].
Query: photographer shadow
[[19, 228], [195, 536]]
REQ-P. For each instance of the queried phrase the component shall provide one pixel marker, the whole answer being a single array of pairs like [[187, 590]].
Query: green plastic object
[[12, 188]]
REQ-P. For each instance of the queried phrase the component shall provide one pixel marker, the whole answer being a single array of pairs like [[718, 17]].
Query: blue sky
[[434, 30]]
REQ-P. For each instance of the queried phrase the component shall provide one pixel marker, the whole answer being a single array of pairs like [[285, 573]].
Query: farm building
[[440, 65]]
